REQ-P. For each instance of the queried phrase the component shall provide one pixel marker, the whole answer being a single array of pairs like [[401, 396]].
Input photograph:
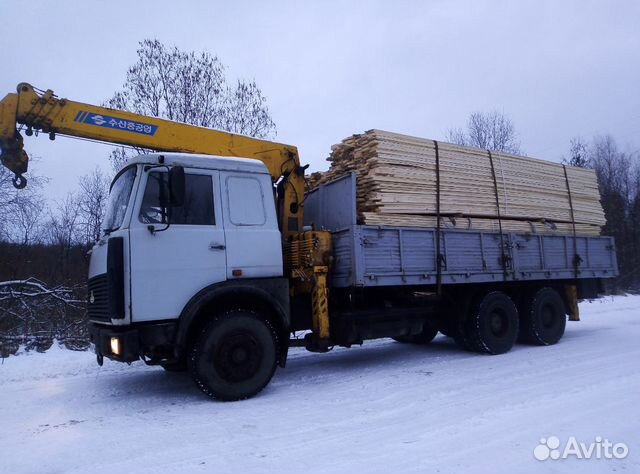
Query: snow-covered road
[[383, 407]]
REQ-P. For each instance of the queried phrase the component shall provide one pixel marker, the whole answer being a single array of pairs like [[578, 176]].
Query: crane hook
[[19, 181]]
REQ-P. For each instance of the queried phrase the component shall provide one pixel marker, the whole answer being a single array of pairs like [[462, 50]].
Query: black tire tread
[[195, 349], [529, 332], [472, 334]]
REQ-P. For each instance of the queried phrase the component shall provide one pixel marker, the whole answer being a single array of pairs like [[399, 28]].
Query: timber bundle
[[403, 180]]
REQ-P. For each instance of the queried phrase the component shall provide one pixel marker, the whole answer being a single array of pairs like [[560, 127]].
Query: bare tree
[[578, 154], [63, 226], [92, 201], [20, 210], [25, 219], [64, 232], [612, 165], [7, 200], [245, 112], [492, 131], [619, 195], [192, 88]]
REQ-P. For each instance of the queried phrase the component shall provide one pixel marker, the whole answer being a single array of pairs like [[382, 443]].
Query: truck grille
[[98, 298]]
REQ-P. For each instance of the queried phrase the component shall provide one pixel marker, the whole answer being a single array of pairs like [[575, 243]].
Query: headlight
[[116, 347]]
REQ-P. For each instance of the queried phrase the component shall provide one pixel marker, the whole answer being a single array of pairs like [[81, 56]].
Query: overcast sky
[[330, 69]]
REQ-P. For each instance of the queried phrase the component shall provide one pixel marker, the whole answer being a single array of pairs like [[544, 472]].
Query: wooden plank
[[397, 185]]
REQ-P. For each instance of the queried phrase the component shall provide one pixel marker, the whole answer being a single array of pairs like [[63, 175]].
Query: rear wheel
[[235, 356], [492, 324], [543, 318], [429, 332]]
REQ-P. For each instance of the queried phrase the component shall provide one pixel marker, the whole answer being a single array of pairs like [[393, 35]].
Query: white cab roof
[[202, 161]]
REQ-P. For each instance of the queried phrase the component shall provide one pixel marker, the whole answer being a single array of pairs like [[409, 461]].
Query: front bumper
[[153, 341]]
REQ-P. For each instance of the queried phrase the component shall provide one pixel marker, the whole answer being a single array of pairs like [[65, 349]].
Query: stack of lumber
[[397, 185]]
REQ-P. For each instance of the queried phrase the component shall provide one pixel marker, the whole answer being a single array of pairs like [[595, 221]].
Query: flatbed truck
[[212, 257]]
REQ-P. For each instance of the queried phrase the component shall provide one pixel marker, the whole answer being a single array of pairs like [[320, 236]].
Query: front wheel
[[235, 356]]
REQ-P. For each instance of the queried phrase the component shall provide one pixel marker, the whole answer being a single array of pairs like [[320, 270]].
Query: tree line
[[43, 250], [618, 174]]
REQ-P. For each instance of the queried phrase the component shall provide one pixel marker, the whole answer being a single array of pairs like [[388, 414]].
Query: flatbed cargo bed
[[366, 255]]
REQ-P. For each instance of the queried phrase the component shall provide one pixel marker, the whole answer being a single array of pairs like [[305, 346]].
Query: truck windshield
[[119, 199]]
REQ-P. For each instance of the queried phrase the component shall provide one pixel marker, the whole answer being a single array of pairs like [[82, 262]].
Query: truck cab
[[162, 255]]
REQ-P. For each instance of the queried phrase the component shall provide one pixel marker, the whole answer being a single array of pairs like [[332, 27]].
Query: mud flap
[[571, 297]]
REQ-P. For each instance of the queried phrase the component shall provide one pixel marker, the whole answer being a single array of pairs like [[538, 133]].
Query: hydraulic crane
[[36, 111]]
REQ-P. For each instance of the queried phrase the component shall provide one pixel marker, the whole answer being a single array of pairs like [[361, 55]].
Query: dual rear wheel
[[494, 323]]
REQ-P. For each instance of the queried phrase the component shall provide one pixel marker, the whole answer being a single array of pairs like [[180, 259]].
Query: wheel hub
[[498, 323], [238, 357], [548, 316]]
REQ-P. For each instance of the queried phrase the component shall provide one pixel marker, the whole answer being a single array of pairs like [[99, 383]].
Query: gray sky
[[331, 69]]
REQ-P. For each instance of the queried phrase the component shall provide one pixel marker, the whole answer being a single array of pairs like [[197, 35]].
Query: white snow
[[384, 407]]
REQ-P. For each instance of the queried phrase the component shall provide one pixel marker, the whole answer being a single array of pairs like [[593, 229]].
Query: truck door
[[174, 262], [254, 245]]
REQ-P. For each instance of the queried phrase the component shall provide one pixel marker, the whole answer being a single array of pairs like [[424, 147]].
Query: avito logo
[[600, 448]]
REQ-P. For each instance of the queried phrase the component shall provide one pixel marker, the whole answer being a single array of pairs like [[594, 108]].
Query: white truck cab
[[159, 254], [225, 229]]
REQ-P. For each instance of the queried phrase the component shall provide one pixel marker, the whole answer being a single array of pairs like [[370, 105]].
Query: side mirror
[[176, 186]]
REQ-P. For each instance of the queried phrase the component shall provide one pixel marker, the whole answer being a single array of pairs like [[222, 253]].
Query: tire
[[235, 356], [492, 324], [180, 366], [544, 318], [427, 335]]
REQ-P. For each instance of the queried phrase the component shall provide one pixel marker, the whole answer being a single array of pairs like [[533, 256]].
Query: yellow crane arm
[[44, 112]]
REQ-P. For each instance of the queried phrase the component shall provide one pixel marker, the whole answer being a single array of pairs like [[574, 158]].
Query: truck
[[213, 259]]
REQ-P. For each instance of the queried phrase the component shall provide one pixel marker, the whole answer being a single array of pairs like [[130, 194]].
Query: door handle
[[216, 246]]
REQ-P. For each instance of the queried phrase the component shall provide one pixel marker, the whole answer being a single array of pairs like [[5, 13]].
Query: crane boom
[[44, 112]]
